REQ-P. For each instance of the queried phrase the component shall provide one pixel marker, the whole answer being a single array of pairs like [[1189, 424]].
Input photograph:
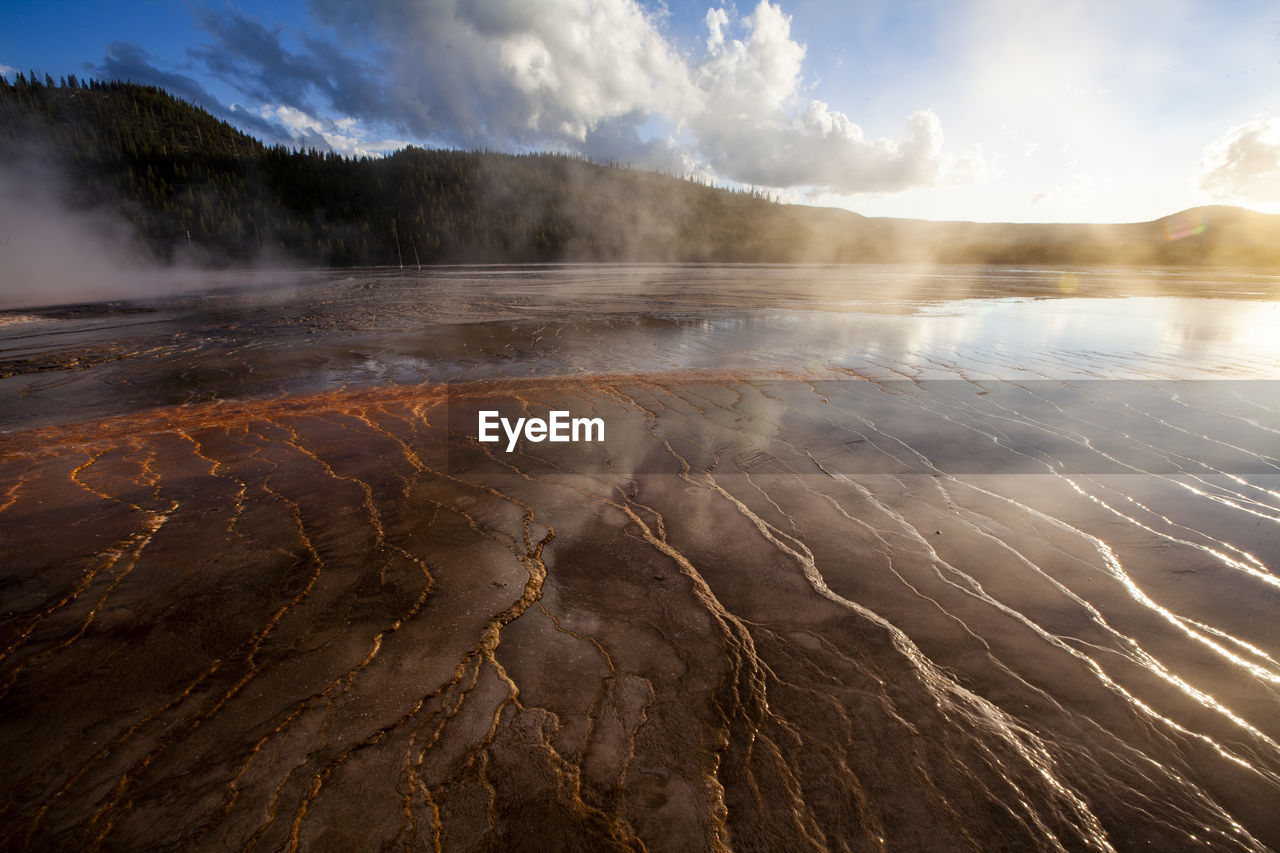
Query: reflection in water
[[394, 328], [870, 559]]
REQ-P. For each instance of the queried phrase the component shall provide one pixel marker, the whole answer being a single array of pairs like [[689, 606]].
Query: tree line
[[189, 182], [193, 186]]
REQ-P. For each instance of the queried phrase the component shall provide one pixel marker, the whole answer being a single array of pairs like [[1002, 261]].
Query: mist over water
[[345, 330], [931, 558], [55, 250]]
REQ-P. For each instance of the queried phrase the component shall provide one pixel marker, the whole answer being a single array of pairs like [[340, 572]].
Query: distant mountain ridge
[[192, 185]]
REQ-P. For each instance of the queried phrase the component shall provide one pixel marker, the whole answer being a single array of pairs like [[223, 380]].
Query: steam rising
[[54, 252]]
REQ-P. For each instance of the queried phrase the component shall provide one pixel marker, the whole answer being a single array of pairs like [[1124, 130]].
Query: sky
[[986, 110]]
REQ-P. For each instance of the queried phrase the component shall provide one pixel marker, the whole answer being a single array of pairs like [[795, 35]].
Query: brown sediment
[[234, 413], [329, 621], [256, 598]]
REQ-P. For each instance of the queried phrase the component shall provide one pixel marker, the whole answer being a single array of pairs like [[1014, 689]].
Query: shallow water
[[461, 324], [871, 556]]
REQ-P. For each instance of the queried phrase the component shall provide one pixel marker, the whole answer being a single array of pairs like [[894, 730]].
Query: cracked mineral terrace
[[872, 558]]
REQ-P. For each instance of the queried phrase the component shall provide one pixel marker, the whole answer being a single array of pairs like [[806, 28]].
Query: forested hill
[[193, 185], [172, 169]]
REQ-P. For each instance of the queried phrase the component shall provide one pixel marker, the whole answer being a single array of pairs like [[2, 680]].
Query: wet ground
[[870, 557]]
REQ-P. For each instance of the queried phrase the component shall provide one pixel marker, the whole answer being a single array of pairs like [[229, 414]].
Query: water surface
[[946, 558]]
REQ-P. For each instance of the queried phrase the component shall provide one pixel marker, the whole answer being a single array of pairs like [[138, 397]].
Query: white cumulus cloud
[[1244, 163], [595, 77], [343, 135], [760, 71], [757, 126], [511, 71]]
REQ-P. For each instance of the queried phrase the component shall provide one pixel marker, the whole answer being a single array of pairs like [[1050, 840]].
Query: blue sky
[[968, 109]]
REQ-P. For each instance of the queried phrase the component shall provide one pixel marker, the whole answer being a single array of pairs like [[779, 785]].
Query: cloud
[[759, 73], [344, 135], [579, 76], [619, 141], [823, 148], [273, 122], [256, 61], [505, 72], [1082, 187], [1244, 163], [759, 129], [129, 61]]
